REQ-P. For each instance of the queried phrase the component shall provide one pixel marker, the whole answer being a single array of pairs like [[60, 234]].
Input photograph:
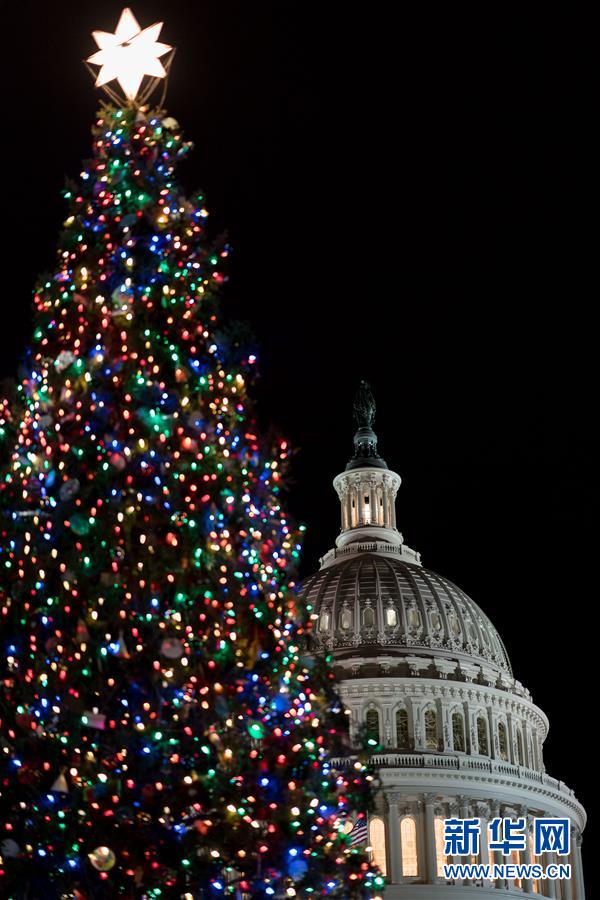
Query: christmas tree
[[164, 732]]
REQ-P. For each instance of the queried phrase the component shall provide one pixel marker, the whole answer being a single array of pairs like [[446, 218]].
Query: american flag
[[359, 833]]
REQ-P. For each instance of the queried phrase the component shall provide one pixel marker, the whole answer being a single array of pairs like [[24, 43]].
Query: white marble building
[[425, 674]]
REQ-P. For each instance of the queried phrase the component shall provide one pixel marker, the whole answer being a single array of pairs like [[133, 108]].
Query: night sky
[[408, 201]]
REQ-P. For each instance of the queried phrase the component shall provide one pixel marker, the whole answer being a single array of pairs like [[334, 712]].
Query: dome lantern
[[367, 489]]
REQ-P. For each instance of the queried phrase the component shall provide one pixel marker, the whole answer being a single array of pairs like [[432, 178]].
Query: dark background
[[412, 201]]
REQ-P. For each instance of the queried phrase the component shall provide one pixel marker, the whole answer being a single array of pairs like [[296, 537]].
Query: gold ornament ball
[[102, 858]]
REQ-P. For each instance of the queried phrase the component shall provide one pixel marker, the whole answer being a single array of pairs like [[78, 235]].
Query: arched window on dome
[[414, 617], [408, 840], [520, 753], [402, 741], [372, 723], [345, 619], [454, 624], [441, 858], [391, 616], [431, 736], [503, 741], [458, 732], [324, 620], [369, 617], [377, 843], [482, 736], [436, 621]]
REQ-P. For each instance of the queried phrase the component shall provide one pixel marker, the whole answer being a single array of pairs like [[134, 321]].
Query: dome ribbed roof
[[370, 604]]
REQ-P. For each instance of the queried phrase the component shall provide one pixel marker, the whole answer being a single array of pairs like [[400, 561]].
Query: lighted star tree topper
[[164, 731], [129, 56]]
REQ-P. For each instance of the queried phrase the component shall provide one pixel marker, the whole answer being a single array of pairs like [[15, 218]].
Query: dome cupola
[[367, 491], [367, 488]]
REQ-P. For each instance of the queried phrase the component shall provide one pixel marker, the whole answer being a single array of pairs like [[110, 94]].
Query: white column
[[439, 720], [395, 856], [447, 727], [454, 813], [390, 506], [566, 885], [527, 882], [417, 725], [356, 510], [511, 739], [550, 858], [430, 849], [576, 840], [525, 733], [492, 733], [347, 517], [470, 729], [388, 726], [379, 494], [393, 492], [540, 754], [464, 814], [362, 489], [484, 850], [494, 856], [530, 751], [421, 839]]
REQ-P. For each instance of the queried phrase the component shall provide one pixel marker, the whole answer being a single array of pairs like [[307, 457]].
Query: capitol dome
[[428, 686], [376, 602]]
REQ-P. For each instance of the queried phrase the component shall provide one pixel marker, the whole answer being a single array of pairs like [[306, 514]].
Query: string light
[[163, 728]]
